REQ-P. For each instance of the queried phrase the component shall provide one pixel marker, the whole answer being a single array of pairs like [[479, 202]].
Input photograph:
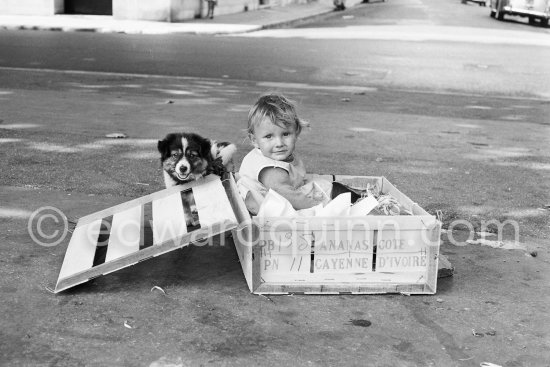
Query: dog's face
[[184, 157]]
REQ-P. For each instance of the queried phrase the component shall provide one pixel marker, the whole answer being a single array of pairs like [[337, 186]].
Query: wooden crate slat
[[412, 277], [125, 233], [344, 288], [433, 257], [146, 199], [369, 222], [402, 251], [81, 249], [212, 203], [168, 218], [282, 252], [243, 234], [342, 251]]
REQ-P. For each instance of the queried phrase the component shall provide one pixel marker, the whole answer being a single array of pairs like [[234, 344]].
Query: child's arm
[[279, 180]]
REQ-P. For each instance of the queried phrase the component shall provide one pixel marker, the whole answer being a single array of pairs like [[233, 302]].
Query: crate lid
[[143, 228]]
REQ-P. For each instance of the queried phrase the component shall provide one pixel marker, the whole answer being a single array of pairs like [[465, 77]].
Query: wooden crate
[[339, 255], [333, 255]]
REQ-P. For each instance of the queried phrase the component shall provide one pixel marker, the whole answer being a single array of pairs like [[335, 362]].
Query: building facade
[[157, 10]]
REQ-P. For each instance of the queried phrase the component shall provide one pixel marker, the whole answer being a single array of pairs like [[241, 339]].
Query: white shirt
[[254, 162]]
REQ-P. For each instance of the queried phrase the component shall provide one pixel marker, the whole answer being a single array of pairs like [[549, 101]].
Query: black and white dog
[[186, 157]]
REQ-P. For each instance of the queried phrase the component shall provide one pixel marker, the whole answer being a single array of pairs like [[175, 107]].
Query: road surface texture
[[438, 118]]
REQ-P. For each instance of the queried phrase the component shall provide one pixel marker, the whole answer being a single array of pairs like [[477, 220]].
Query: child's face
[[275, 142]]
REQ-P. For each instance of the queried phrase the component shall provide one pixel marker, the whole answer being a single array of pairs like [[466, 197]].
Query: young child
[[274, 128]]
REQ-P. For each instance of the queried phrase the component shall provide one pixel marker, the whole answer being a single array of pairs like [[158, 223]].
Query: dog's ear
[[205, 147], [161, 145], [163, 148]]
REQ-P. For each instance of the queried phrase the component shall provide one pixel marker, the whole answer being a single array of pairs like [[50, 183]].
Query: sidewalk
[[223, 24]]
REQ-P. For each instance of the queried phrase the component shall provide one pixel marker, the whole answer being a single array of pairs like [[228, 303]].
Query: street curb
[[48, 28], [106, 29], [294, 22], [312, 18]]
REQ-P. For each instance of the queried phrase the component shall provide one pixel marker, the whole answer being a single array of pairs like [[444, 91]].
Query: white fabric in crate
[[275, 205], [337, 207]]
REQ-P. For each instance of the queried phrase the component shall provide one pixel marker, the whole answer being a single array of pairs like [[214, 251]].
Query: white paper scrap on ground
[[506, 245]]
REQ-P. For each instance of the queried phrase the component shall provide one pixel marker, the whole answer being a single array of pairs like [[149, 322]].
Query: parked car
[[533, 9]]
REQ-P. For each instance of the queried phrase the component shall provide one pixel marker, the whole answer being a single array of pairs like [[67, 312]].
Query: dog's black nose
[[183, 169]]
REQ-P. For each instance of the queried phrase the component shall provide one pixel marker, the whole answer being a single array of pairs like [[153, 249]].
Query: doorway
[[91, 7]]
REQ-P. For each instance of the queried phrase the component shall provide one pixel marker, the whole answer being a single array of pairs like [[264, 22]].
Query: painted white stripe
[[125, 233], [212, 204], [304, 86], [410, 33], [227, 80], [10, 140], [168, 219], [106, 73], [15, 213], [81, 250], [19, 126]]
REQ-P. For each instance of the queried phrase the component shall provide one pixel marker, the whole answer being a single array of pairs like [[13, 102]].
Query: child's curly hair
[[278, 109]]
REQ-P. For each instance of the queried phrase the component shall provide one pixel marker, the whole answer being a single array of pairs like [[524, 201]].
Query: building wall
[[185, 9], [142, 9], [158, 10], [175, 10], [31, 7], [188, 9]]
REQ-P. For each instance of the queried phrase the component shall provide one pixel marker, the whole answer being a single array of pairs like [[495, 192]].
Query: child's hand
[[279, 180]]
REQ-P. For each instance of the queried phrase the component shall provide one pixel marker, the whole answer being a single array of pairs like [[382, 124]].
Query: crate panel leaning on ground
[[143, 228], [334, 255]]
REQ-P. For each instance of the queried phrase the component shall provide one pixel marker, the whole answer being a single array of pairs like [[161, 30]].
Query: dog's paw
[[217, 167]]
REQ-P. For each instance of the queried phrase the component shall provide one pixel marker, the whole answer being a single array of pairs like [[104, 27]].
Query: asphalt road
[[460, 126], [457, 48]]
